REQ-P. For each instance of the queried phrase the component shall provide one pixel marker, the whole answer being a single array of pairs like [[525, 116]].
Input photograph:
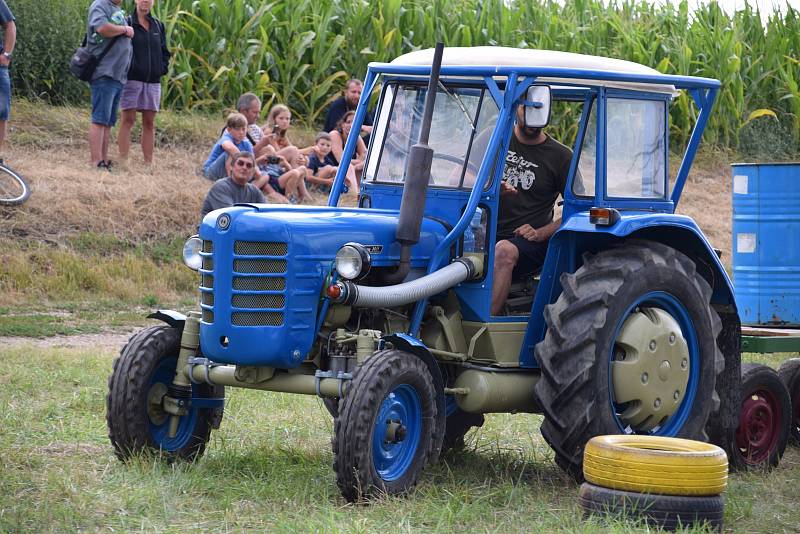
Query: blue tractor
[[383, 309]]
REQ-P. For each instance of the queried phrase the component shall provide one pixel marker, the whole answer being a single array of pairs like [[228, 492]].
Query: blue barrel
[[766, 242]]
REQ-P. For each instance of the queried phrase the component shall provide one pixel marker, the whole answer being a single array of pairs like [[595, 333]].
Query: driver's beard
[[531, 133]]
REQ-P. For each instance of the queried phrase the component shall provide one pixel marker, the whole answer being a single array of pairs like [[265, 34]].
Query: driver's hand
[[529, 232], [508, 189]]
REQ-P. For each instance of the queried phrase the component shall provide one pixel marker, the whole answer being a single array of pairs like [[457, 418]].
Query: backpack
[[83, 62]]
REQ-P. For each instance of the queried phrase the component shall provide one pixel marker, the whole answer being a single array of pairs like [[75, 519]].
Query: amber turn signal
[[603, 216]]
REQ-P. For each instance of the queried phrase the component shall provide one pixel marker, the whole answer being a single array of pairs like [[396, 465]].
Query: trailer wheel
[[630, 349], [384, 433], [763, 431], [668, 512], [790, 375], [136, 419], [457, 424]]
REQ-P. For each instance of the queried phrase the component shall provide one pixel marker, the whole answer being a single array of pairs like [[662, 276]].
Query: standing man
[[142, 91], [106, 27], [348, 102], [9, 40], [534, 176]]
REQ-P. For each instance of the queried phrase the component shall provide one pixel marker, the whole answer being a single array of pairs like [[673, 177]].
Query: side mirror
[[537, 106]]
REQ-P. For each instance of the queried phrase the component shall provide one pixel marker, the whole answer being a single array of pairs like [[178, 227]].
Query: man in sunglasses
[[236, 188]]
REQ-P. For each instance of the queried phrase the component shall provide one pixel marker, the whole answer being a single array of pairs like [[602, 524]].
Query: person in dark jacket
[[142, 92]]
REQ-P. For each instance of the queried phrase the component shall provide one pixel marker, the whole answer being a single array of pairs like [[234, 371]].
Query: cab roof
[[565, 67]]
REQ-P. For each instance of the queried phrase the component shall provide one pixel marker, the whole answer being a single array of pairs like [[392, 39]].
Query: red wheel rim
[[759, 427]]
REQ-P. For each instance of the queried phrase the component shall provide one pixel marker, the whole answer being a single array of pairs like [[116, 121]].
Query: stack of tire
[[668, 483]]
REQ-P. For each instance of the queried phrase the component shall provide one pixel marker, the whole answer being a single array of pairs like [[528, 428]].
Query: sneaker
[[102, 166], [109, 164]]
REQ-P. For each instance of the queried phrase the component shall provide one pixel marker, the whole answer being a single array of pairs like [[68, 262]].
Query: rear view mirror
[[537, 106]]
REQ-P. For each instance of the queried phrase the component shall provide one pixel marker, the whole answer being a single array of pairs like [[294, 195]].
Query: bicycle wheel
[[14, 189]]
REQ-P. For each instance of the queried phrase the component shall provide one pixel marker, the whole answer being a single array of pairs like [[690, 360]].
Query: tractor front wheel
[[385, 430], [137, 421], [630, 349]]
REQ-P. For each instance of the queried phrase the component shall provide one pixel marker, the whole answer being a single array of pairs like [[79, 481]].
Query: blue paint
[[165, 374], [668, 303], [766, 242], [402, 405]]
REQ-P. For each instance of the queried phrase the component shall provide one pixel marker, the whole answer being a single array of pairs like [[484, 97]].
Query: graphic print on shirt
[[518, 171]]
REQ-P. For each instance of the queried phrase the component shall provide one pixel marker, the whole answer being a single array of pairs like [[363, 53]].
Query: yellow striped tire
[[654, 464]]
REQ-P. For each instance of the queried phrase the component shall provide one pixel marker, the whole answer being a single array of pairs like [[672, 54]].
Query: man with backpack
[[107, 35]]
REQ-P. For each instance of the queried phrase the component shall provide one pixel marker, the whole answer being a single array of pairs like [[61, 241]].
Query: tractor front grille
[[258, 297]]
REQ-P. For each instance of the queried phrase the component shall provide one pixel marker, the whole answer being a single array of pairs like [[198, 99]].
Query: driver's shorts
[[531, 256]]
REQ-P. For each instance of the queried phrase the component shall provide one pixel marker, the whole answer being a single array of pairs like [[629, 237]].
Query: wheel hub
[[395, 431], [650, 370], [758, 427], [155, 404]]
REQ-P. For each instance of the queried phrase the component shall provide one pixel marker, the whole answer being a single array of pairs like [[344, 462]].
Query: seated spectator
[[321, 165], [276, 132], [348, 102], [232, 141], [338, 140], [235, 189], [249, 105], [289, 182]]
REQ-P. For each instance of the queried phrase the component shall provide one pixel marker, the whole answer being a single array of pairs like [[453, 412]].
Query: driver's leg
[[506, 255]]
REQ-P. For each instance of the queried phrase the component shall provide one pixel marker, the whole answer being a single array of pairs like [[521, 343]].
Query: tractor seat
[[520, 295]]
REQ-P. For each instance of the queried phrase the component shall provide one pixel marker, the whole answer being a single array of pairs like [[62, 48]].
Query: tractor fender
[[408, 343], [171, 317], [677, 231]]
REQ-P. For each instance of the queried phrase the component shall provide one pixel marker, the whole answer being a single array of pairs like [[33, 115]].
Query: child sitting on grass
[[321, 165], [233, 141], [285, 180]]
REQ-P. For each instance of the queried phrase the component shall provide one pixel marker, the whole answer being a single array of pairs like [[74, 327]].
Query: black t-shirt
[[539, 173], [337, 110]]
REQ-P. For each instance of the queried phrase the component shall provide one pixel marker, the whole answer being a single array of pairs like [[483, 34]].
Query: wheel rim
[[759, 427], [397, 431], [158, 419], [654, 366]]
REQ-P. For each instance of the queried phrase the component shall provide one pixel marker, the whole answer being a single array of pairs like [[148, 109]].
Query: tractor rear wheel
[[141, 377], [630, 349]]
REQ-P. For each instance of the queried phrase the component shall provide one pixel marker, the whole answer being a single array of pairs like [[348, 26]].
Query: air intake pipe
[[417, 177], [389, 296]]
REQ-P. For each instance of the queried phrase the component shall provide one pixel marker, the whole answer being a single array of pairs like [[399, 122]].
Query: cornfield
[[301, 52]]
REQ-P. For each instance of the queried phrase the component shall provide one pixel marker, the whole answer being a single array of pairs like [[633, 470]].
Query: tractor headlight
[[352, 261], [191, 253]]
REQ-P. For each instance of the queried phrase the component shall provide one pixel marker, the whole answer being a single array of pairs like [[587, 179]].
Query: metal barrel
[[766, 242]]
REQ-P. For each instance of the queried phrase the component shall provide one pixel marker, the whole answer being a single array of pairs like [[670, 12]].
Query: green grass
[[268, 468]]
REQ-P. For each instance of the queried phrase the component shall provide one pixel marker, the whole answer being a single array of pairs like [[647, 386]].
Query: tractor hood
[[264, 268]]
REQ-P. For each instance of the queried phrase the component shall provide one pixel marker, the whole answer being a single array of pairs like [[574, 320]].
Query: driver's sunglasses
[[247, 164]]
